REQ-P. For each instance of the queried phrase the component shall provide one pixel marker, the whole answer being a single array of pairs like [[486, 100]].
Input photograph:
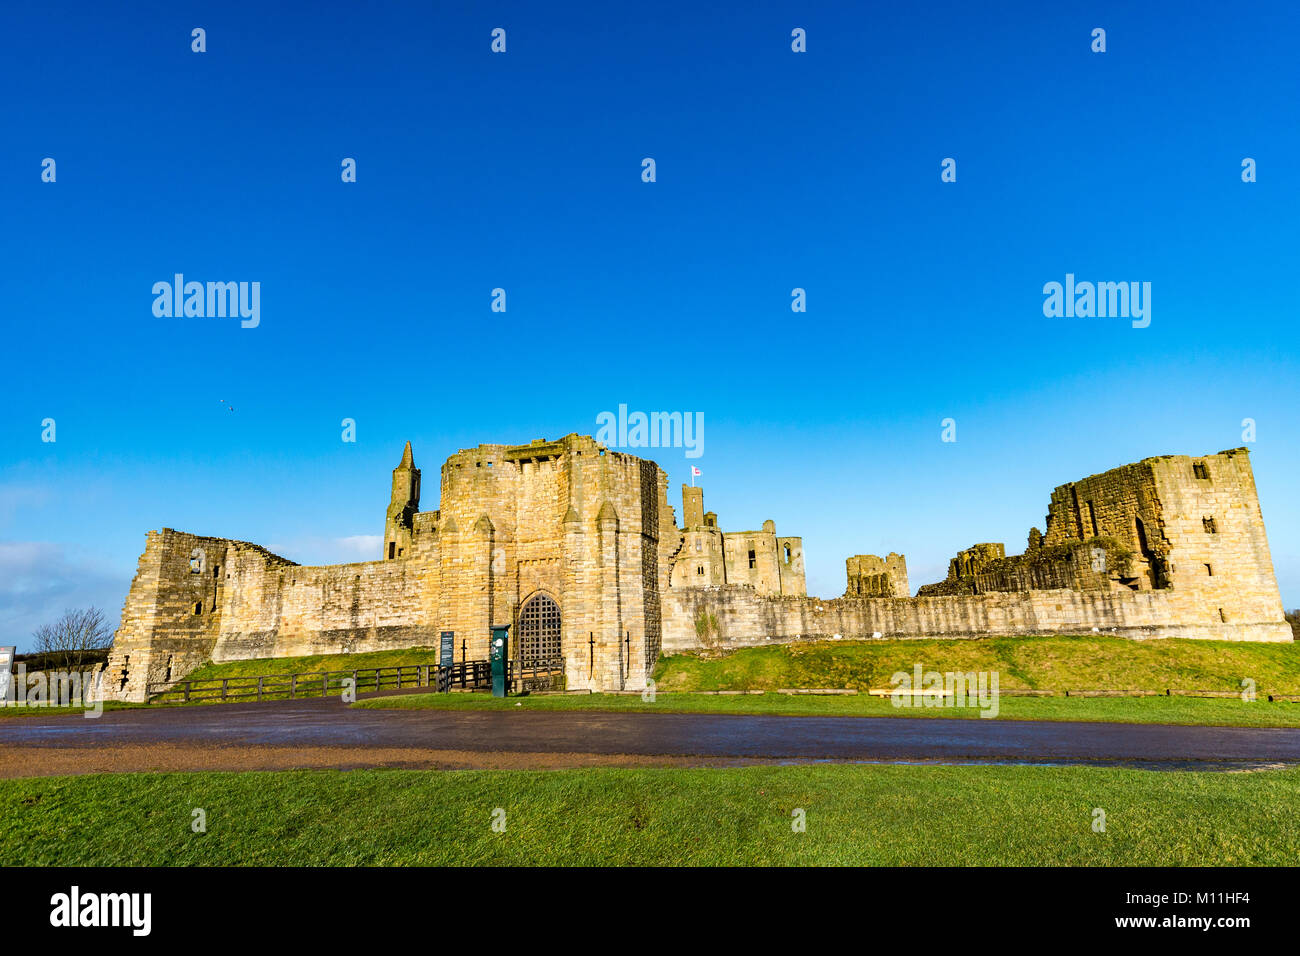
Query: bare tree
[[72, 635]]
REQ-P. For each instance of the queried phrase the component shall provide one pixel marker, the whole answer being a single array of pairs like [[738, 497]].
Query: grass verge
[[861, 815], [1034, 663]]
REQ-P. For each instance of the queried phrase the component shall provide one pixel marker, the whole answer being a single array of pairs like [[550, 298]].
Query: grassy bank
[[875, 815], [1138, 710], [1053, 664], [315, 663], [1037, 663]]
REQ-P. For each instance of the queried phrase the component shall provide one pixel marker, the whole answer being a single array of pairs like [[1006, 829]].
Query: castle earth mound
[[576, 549]]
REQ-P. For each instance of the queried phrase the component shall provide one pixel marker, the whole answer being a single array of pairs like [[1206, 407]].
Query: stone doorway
[[539, 630]]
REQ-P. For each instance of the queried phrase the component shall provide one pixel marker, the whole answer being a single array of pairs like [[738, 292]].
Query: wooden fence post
[[259, 689]]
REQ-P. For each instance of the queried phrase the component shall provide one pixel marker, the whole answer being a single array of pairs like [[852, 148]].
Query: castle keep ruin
[[576, 548]]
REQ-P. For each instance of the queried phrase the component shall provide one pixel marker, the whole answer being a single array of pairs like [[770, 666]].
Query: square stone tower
[[1193, 523], [566, 542]]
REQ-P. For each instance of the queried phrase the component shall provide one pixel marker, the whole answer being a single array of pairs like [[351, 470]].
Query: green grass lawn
[[244, 674], [1038, 663], [876, 815], [1129, 710]]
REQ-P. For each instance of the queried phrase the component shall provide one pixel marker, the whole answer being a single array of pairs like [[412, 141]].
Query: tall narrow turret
[[405, 502]]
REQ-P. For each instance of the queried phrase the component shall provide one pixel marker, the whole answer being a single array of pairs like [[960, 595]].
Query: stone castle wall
[[1172, 546], [870, 575], [1167, 547], [590, 529], [745, 618]]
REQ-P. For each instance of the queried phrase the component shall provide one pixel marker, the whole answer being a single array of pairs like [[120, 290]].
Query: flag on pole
[[694, 471]]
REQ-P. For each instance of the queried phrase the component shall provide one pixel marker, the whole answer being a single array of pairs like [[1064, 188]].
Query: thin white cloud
[[16, 498], [316, 551], [39, 580]]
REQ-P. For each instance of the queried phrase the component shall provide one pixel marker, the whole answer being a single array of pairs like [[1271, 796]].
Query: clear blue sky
[[775, 170]]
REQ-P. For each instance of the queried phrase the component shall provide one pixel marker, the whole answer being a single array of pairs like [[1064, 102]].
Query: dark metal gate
[[539, 630]]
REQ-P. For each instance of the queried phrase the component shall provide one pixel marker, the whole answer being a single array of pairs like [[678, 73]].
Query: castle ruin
[[576, 549]]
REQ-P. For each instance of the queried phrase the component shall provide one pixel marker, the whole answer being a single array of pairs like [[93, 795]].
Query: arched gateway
[[539, 630]]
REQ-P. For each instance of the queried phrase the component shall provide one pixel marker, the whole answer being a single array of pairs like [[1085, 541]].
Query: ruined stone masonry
[[872, 576], [576, 548], [757, 559]]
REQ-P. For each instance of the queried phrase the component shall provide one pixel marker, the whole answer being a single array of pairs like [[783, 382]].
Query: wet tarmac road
[[327, 733]]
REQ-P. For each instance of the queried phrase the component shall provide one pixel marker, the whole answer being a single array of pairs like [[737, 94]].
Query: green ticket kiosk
[[499, 660]]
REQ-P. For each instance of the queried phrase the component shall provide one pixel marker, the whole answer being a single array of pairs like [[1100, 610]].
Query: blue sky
[[522, 171]]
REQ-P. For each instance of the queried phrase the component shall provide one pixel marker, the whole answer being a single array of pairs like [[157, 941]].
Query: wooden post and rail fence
[[523, 676]]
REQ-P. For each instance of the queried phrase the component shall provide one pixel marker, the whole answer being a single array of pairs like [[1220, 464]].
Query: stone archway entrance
[[538, 634]]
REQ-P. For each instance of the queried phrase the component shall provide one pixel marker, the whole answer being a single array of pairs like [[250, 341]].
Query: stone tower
[[402, 507], [710, 557], [700, 561]]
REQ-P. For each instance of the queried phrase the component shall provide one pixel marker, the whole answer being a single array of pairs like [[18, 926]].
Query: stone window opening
[[167, 677], [753, 559], [787, 554], [1200, 471], [1209, 570], [198, 608], [699, 545], [392, 550], [700, 569], [1209, 525]]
